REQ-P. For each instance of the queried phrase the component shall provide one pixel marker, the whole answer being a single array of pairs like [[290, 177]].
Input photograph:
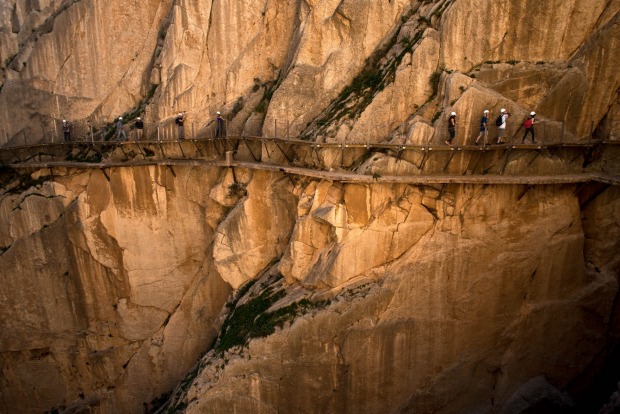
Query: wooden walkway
[[31, 152]]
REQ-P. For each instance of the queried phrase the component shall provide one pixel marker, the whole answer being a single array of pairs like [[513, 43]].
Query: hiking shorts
[[502, 132]]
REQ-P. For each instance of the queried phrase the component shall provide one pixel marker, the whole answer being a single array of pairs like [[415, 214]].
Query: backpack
[[528, 123], [499, 121]]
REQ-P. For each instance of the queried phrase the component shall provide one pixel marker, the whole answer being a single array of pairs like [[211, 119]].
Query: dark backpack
[[499, 121]]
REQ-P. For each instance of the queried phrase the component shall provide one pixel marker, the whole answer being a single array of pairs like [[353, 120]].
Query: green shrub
[[433, 81]]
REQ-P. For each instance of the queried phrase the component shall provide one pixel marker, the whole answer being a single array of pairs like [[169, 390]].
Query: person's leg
[[502, 134], [533, 139], [451, 132]]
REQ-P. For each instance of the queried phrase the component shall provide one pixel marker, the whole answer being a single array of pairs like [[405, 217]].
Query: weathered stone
[[115, 302], [256, 231]]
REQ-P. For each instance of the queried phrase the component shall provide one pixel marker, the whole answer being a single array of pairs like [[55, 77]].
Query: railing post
[[193, 136], [287, 129], [562, 134], [544, 134], [158, 140]]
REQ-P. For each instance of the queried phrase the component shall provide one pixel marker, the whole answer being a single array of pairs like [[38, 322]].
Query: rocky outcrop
[[463, 320], [388, 292], [332, 70], [106, 285]]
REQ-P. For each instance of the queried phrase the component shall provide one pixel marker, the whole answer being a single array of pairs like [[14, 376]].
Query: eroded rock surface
[[109, 288], [334, 70]]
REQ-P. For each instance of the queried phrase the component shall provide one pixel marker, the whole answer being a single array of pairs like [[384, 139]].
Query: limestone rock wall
[[109, 289], [327, 69], [471, 311], [438, 298]]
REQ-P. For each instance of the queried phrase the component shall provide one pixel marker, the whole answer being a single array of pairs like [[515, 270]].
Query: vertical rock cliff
[[212, 289]]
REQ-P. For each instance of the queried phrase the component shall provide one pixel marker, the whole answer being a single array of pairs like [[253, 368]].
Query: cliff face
[[109, 291], [435, 299], [370, 298], [444, 301], [362, 68]]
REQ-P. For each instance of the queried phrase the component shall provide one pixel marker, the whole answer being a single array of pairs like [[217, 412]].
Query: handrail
[[313, 144]]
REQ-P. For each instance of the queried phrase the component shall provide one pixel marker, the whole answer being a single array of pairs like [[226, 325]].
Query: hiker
[[501, 126], [66, 129], [529, 127], [484, 128], [120, 130], [179, 121], [139, 127], [219, 127], [451, 128]]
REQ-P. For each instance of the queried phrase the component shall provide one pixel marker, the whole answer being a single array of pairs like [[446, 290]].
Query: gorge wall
[[360, 70], [119, 282], [446, 298]]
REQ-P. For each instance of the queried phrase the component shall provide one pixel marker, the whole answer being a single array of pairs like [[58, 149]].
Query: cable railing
[[163, 142]]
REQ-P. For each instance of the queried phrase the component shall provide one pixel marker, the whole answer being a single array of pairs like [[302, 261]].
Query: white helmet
[[120, 118], [138, 118], [532, 113], [64, 120], [180, 114], [486, 111], [453, 113], [502, 110], [218, 112]]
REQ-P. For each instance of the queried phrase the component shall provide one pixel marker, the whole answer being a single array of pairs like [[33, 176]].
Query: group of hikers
[[500, 122], [179, 121], [138, 126]]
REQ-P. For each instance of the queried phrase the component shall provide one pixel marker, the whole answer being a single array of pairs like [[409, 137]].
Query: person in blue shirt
[[219, 127], [120, 130], [484, 128]]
